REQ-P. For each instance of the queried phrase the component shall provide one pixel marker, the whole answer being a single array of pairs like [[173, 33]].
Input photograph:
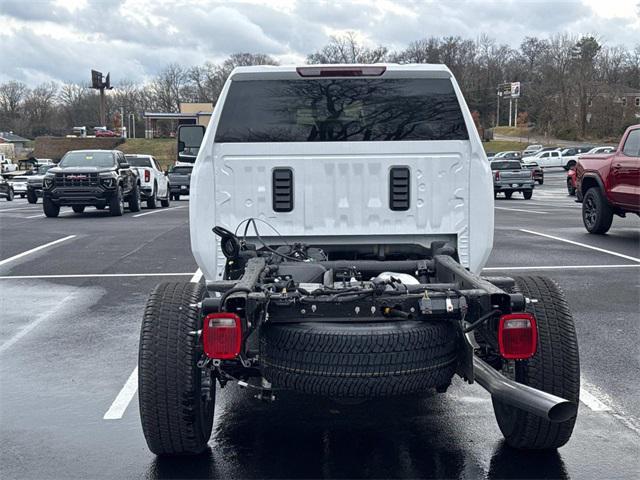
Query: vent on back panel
[[399, 191], [282, 190]]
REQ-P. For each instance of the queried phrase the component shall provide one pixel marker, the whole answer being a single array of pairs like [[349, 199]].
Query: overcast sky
[[62, 40]]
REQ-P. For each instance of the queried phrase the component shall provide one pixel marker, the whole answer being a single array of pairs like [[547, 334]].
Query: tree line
[[572, 87]]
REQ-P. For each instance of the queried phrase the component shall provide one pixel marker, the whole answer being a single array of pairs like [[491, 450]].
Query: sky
[[61, 40]]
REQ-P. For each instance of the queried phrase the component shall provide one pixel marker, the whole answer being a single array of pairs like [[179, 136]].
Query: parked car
[[154, 184], [6, 164], [19, 184], [324, 301], [547, 158], [105, 133], [608, 184], [510, 176], [531, 149], [99, 178], [507, 155], [570, 155], [536, 170], [599, 150], [34, 183], [6, 190], [179, 180], [571, 181]]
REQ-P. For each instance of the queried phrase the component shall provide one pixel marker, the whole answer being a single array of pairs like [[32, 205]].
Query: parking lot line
[[591, 400], [122, 401], [33, 250], [196, 276], [157, 211], [598, 249], [521, 210], [95, 275], [562, 267]]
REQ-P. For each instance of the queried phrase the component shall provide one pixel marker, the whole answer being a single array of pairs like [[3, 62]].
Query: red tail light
[[147, 175], [497, 175], [517, 336], [342, 71], [222, 335]]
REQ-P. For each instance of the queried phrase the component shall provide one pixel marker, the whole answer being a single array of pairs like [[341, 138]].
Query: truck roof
[[432, 70]]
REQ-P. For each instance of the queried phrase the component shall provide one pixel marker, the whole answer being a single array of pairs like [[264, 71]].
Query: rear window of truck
[[334, 110], [506, 166]]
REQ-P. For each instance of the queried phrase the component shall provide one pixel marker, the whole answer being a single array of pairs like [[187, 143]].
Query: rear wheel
[[116, 203], [571, 164], [10, 195], [78, 208], [50, 208], [555, 368], [176, 397], [527, 194], [22, 195], [165, 202], [176, 198], [134, 199], [32, 197], [151, 201], [570, 188], [508, 195], [597, 214]]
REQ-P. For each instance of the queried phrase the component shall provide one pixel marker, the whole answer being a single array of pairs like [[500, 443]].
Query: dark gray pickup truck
[[179, 180], [509, 176]]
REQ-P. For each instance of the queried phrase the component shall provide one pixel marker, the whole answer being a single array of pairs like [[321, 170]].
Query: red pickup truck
[[609, 184]]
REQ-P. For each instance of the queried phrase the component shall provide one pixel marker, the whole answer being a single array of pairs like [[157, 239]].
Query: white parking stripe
[[196, 276], [122, 401], [628, 257], [95, 275], [33, 250], [157, 211], [591, 400], [520, 210], [562, 267]]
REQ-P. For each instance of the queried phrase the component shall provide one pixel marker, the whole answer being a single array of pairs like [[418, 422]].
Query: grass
[[496, 146], [163, 149], [512, 131]]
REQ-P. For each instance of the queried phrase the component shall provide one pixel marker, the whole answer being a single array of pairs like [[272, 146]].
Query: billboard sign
[[515, 89], [509, 90]]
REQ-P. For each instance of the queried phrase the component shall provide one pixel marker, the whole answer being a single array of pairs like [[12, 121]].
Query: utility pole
[[97, 83], [510, 102], [498, 108]]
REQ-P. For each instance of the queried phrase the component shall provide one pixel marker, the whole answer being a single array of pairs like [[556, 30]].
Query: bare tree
[[347, 49]]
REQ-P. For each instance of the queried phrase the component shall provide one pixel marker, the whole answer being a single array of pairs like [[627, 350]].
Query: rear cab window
[[506, 165], [341, 109]]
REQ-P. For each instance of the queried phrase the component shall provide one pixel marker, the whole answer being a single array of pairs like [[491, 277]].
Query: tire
[[22, 195], [151, 201], [175, 409], [570, 188], [10, 195], [32, 197], [100, 207], [176, 198], [342, 360], [134, 199], [555, 368], [508, 195], [597, 214], [50, 209], [527, 194], [78, 208], [540, 182], [165, 202], [571, 164], [116, 203]]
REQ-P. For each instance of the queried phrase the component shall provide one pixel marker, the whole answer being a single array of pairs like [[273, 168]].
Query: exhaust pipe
[[532, 400]]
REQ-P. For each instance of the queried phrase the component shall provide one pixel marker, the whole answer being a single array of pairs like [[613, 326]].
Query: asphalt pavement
[[72, 292]]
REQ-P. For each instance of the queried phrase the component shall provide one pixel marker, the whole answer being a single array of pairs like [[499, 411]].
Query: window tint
[[87, 159], [632, 144], [330, 110], [505, 165], [138, 161]]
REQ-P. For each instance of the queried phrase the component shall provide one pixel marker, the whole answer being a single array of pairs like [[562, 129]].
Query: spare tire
[[359, 360]]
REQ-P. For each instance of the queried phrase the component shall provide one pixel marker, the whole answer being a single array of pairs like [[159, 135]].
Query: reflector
[[222, 335], [517, 336]]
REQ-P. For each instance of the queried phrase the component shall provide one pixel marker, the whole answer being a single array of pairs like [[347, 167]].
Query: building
[[19, 143], [161, 124]]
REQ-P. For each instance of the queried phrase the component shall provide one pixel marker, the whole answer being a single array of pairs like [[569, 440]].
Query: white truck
[[6, 165], [341, 216], [154, 183]]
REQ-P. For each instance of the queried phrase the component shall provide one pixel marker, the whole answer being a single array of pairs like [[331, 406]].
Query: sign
[[509, 90], [515, 89]]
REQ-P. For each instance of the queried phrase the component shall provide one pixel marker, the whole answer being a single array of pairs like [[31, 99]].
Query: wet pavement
[[69, 345]]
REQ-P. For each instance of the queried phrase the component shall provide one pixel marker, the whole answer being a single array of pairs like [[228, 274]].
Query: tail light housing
[[147, 175], [342, 71], [517, 336], [222, 335], [497, 175]]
